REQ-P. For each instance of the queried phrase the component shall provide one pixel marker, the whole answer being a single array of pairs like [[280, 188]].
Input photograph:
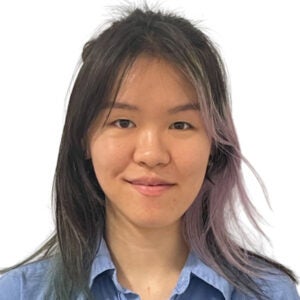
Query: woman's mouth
[[150, 186]]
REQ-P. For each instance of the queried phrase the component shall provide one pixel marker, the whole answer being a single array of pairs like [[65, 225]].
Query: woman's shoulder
[[275, 285], [28, 281], [278, 285]]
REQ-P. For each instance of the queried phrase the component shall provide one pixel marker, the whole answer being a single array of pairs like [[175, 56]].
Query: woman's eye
[[123, 123], [181, 126]]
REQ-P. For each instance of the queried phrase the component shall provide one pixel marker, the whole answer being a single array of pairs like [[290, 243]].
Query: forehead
[[154, 78]]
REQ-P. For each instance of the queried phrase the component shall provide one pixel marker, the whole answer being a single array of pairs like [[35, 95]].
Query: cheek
[[192, 158], [108, 156]]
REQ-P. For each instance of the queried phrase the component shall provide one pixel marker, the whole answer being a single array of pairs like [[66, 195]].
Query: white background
[[40, 47]]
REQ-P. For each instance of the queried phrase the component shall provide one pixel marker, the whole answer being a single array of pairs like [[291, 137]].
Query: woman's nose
[[151, 149]]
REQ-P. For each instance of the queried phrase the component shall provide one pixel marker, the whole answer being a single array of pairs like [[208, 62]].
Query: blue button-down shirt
[[196, 281]]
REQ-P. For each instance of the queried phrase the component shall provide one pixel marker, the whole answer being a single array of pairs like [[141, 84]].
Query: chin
[[156, 223]]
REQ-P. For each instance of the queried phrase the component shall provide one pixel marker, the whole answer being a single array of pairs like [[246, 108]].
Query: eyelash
[[117, 123], [186, 125]]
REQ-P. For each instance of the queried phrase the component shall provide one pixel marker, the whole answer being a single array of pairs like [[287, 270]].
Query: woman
[[147, 178]]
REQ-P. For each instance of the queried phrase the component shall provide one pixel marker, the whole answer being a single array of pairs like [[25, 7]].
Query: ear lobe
[[85, 149], [87, 155]]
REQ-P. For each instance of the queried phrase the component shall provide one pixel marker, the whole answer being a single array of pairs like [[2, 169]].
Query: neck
[[145, 254], [162, 242]]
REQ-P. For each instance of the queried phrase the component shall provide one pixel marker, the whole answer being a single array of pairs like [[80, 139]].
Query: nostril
[[151, 149], [151, 159]]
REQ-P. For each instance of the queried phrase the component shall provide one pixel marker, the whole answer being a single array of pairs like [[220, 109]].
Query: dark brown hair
[[78, 198]]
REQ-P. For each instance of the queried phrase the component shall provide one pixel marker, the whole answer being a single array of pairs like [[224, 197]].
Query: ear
[[87, 154], [86, 149]]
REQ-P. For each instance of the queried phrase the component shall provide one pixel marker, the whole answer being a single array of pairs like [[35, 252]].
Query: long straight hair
[[77, 196]]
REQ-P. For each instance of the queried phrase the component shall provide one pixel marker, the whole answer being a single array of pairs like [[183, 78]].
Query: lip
[[150, 186]]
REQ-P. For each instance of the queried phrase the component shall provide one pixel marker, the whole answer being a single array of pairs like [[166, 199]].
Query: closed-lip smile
[[150, 186]]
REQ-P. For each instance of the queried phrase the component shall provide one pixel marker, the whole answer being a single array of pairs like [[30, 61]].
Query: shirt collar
[[102, 262], [193, 265], [207, 274]]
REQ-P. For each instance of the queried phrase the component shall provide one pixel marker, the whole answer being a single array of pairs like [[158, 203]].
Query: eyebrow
[[121, 105], [184, 107], [173, 110]]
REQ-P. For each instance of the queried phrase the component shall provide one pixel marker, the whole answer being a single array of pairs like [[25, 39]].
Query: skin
[[150, 158]]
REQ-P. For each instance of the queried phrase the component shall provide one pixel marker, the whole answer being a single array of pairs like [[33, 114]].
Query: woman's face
[[151, 154]]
